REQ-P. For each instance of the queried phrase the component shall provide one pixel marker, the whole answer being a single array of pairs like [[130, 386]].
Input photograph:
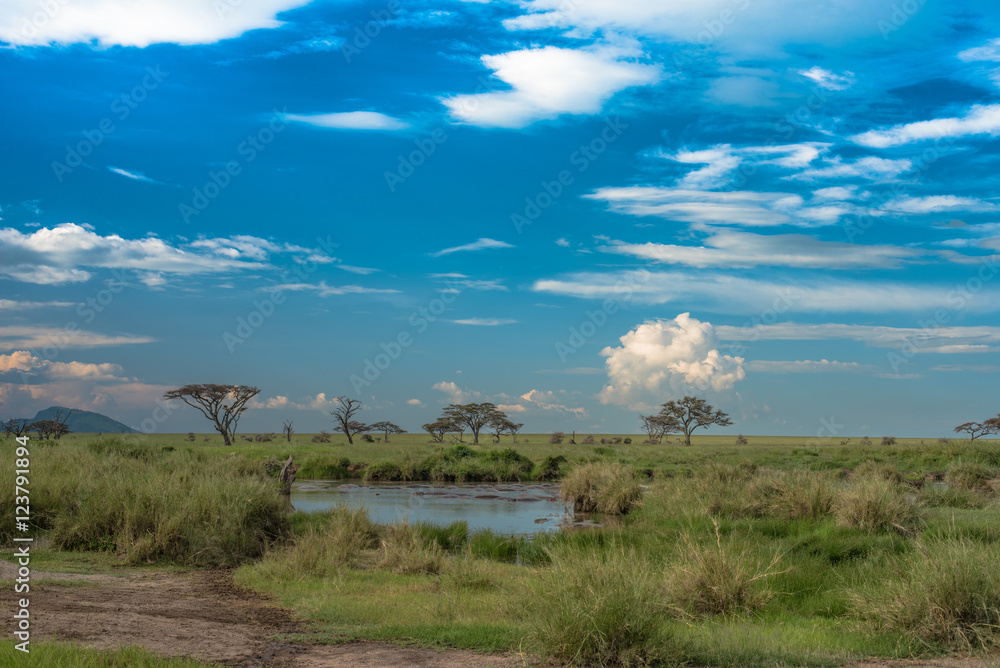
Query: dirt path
[[199, 614]]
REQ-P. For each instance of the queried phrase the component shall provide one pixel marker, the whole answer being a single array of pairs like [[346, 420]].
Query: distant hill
[[85, 422]]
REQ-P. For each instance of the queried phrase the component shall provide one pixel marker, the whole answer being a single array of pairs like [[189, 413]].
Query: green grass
[[67, 655], [779, 552]]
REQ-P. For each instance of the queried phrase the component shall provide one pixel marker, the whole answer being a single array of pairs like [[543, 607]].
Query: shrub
[[741, 439], [512, 457], [367, 438], [190, 436], [628, 441], [945, 592], [549, 468], [264, 438], [716, 580], [869, 469], [876, 504], [556, 438], [604, 452], [589, 440], [322, 437], [597, 607], [335, 540], [383, 470], [866, 442], [601, 487], [888, 440]]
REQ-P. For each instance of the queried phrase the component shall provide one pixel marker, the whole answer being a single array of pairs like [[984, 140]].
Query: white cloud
[[415, 402], [324, 290], [736, 248], [737, 207], [725, 293], [661, 359], [551, 401], [124, 23], [479, 244], [548, 82], [13, 305], [835, 193], [562, 242], [54, 256], [869, 167], [804, 366], [23, 361], [363, 271], [932, 339], [989, 51], [351, 120], [136, 176], [276, 402], [979, 119], [485, 322], [31, 337], [827, 79], [936, 204], [722, 161], [455, 394]]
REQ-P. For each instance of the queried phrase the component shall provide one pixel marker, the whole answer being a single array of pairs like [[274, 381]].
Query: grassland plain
[[780, 552]]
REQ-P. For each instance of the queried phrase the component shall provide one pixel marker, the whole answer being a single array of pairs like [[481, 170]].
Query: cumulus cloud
[[477, 245], [660, 359], [415, 402], [351, 120], [980, 119], [26, 363], [123, 23], [548, 82], [455, 394]]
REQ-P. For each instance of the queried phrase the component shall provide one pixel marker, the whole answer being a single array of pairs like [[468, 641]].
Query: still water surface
[[504, 508]]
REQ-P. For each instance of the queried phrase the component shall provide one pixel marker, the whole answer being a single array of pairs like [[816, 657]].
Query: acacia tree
[[658, 426], [343, 417], [692, 413], [222, 404], [55, 427], [438, 429], [473, 416], [15, 426], [977, 429], [502, 425], [287, 429], [386, 428]]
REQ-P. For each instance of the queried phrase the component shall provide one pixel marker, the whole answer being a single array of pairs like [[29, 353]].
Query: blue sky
[[575, 209]]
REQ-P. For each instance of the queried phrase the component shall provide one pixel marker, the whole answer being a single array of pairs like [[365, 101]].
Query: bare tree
[[55, 427], [692, 413], [15, 427], [473, 416], [343, 417], [222, 404], [438, 429], [287, 429], [658, 426], [978, 429], [386, 428]]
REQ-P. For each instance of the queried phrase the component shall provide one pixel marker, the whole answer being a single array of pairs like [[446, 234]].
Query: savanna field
[[776, 552]]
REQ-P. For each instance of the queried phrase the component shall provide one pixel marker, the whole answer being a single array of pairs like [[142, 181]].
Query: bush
[[549, 468], [405, 551], [599, 608], [336, 540], [384, 471], [589, 440], [866, 442], [628, 441], [869, 469], [367, 438], [601, 487], [322, 437], [876, 504], [741, 439], [190, 436], [556, 438], [888, 440], [946, 593], [264, 438]]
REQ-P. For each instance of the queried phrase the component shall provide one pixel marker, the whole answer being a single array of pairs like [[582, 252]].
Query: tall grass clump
[[871, 468], [876, 504], [120, 494], [945, 593], [600, 608], [968, 476], [324, 546], [603, 487], [406, 551], [716, 579]]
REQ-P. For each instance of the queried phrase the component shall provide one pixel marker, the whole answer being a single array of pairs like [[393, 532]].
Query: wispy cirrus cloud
[[30, 337], [980, 119], [352, 120], [484, 322], [324, 290], [477, 245], [135, 176]]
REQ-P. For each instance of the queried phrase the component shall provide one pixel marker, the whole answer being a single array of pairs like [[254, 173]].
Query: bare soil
[[201, 615]]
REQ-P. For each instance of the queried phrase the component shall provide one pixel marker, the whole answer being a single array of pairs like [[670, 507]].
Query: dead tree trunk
[[287, 476]]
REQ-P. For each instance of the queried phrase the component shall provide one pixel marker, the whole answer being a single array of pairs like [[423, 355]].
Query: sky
[[574, 209]]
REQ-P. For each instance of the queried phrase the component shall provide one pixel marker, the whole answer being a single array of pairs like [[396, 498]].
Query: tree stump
[[287, 476]]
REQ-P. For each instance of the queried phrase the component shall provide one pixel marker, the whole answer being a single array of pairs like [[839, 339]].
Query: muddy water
[[504, 508]]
